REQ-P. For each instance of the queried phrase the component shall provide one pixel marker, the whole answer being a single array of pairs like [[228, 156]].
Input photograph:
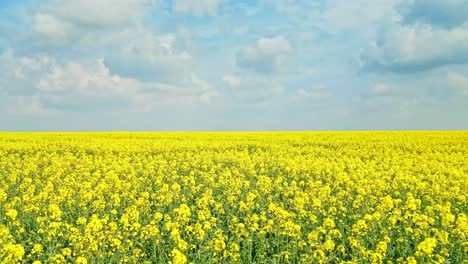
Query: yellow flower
[[360, 227], [55, 212], [12, 214], [329, 245], [81, 260], [328, 223], [178, 257], [411, 260], [183, 213], [3, 195], [115, 242], [66, 252], [13, 252], [37, 249], [427, 246], [218, 244], [381, 248], [81, 220]]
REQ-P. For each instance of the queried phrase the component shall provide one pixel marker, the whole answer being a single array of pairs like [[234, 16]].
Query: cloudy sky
[[233, 64]]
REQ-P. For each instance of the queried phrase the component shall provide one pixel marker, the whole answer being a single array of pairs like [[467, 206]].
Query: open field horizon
[[233, 131]]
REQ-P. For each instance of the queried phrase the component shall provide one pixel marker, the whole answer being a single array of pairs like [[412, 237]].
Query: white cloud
[[421, 35], [316, 94], [205, 91], [194, 91], [146, 56], [105, 13], [232, 80], [197, 7], [89, 80], [256, 90], [50, 26], [445, 88], [266, 56], [275, 45], [27, 104], [417, 48], [446, 13], [87, 22], [358, 15], [43, 83], [16, 73], [307, 98], [458, 82], [292, 7], [241, 30], [382, 88], [113, 30]]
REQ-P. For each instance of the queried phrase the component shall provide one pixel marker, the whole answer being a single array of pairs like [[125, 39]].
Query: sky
[[198, 65]]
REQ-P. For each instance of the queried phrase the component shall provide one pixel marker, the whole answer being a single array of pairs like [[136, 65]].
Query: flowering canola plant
[[276, 197]]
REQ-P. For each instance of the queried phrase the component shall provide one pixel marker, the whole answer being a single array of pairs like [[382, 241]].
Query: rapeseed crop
[[355, 197]]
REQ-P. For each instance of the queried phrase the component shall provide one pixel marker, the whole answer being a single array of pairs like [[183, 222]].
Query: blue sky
[[233, 65]]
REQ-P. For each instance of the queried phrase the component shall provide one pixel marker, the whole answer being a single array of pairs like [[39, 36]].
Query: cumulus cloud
[[192, 92], [140, 65], [50, 26], [46, 83], [416, 48], [70, 24], [306, 99], [443, 13], [129, 48], [358, 15], [427, 34], [256, 90], [16, 73], [232, 80], [382, 89], [42, 74], [99, 13], [27, 104], [315, 94], [197, 7], [150, 57], [266, 55], [89, 80], [439, 88], [458, 82]]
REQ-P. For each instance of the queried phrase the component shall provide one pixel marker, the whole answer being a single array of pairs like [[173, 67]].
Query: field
[[302, 197]]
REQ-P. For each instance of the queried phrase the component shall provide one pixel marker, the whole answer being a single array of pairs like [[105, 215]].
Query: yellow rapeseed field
[[302, 197]]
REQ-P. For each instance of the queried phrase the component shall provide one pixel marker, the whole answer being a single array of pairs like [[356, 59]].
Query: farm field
[[234, 197]]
